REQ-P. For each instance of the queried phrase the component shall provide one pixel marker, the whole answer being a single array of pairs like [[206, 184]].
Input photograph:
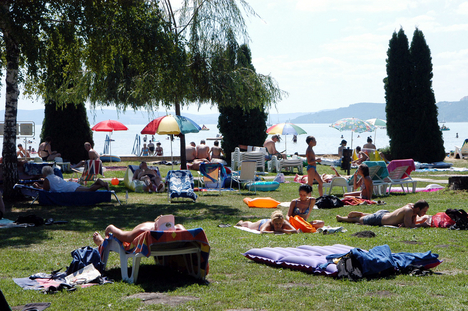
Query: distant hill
[[448, 112]]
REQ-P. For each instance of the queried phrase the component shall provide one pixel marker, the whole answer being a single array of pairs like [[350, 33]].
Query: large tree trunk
[[183, 158], [10, 160]]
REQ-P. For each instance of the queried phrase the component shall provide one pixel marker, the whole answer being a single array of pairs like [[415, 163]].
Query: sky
[[332, 53]]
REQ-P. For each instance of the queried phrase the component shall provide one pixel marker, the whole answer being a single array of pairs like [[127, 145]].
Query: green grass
[[235, 282]]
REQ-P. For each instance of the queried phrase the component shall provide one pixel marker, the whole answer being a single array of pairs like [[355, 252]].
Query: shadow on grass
[[97, 218], [157, 278]]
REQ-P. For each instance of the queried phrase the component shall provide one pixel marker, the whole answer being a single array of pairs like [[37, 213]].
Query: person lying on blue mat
[[55, 183]]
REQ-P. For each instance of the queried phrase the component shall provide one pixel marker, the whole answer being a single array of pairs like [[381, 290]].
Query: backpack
[[83, 257], [460, 217], [30, 219], [328, 201]]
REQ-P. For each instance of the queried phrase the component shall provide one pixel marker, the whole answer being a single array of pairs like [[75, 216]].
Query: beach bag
[[328, 201], [279, 178], [30, 219], [299, 223], [84, 256], [460, 217], [442, 220]]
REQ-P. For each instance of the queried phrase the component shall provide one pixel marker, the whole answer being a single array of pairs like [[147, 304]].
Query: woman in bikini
[[312, 164], [45, 151], [303, 206], [365, 182], [276, 224]]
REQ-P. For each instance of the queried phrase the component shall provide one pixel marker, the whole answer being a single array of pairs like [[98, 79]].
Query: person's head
[[48, 139], [20, 146], [143, 165], [192, 143], [358, 148], [422, 206], [144, 145], [277, 220], [276, 138], [344, 143], [369, 139], [364, 169], [310, 139], [304, 191], [87, 146], [216, 143], [47, 170], [202, 142], [158, 144]]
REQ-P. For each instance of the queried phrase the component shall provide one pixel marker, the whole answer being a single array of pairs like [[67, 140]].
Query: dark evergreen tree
[[69, 129], [239, 126], [428, 144], [400, 117]]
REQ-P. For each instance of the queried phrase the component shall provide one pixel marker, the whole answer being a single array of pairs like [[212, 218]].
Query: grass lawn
[[235, 282]]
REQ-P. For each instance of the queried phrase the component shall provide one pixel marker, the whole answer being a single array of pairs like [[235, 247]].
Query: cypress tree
[[398, 84], [69, 129], [428, 143]]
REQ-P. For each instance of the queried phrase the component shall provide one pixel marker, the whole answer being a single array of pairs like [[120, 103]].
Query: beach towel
[[356, 201]]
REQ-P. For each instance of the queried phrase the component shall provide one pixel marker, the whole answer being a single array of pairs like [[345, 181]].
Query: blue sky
[[331, 53]]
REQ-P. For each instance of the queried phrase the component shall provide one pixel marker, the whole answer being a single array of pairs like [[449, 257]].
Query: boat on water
[[444, 128], [204, 128], [109, 158]]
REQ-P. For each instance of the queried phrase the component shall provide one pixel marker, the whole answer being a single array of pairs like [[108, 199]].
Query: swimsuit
[[262, 222], [311, 166], [297, 210], [374, 219]]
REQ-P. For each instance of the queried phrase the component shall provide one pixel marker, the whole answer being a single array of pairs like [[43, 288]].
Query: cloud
[[463, 8]]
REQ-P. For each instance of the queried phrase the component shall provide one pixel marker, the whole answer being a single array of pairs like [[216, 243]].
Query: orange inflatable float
[[299, 223], [261, 202]]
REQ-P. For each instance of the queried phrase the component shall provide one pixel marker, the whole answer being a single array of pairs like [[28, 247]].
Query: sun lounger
[[378, 172], [277, 165], [399, 174], [180, 185], [462, 151], [66, 198], [166, 246]]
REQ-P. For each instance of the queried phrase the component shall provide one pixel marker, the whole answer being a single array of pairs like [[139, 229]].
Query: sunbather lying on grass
[[277, 224], [129, 236], [409, 216]]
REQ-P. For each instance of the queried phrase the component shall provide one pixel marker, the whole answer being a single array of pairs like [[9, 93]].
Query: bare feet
[[97, 238], [340, 218]]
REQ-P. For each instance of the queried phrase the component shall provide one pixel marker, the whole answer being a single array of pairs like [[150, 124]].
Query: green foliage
[[427, 129], [410, 103], [69, 129]]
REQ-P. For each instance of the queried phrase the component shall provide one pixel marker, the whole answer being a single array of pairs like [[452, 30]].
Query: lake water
[[328, 139]]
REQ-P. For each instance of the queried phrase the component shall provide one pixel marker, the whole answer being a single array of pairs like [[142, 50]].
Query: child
[[362, 156], [277, 224], [312, 164]]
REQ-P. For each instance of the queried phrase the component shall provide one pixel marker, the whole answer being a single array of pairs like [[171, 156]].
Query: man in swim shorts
[[409, 216]]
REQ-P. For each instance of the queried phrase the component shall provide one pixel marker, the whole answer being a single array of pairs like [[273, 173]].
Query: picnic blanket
[[142, 244]]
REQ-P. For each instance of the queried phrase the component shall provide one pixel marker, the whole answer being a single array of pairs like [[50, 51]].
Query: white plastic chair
[[245, 175]]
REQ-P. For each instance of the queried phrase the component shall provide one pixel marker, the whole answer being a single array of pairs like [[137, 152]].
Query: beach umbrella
[[353, 125], [378, 123], [286, 128], [109, 126], [171, 125]]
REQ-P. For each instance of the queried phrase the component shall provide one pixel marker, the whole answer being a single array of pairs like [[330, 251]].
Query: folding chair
[[212, 176], [245, 175], [90, 170]]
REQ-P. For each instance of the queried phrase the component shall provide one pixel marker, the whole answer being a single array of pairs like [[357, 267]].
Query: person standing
[[312, 173]]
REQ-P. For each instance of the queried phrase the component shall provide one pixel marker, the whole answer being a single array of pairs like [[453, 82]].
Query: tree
[[69, 129], [239, 126], [202, 29], [20, 23], [398, 96], [408, 90], [427, 136]]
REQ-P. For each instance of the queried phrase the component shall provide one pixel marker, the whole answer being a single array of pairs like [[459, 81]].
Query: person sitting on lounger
[[362, 156], [150, 177], [92, 154], [365, 182], [303, 205], [22, 153], [409, 216], [45, 150], [129, 236], [277, 224], [55, 183], [203, 151]]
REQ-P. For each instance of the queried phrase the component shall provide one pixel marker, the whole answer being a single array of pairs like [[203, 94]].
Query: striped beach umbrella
[[286, 128], [353, 125]]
